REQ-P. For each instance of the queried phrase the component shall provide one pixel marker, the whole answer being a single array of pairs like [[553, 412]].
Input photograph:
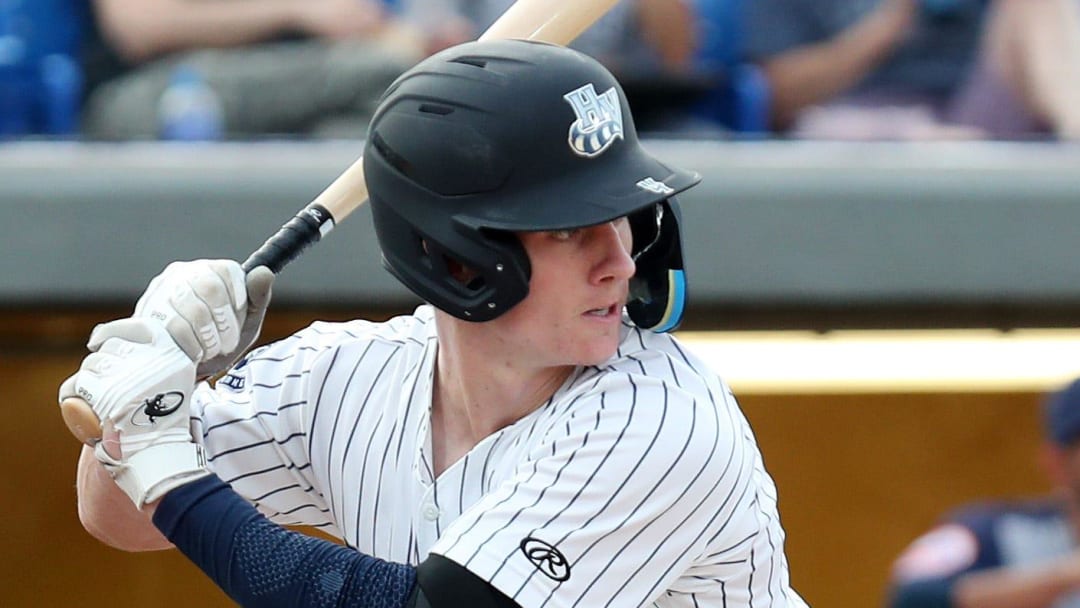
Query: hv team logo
[[599, 120]]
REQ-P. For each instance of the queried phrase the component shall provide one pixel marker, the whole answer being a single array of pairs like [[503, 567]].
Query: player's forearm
[[668, 25], [813, 74], [1011, 588], [108, 514], [141, 29], [258, 563], [1046, 37]]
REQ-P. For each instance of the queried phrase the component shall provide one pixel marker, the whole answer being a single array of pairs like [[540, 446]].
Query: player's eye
[[565, 235]]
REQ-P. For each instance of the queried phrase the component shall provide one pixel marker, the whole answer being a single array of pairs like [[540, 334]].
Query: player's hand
[[212, 310], [139, 383]]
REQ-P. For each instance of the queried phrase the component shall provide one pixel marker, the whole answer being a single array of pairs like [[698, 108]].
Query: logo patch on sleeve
[[547, 559]]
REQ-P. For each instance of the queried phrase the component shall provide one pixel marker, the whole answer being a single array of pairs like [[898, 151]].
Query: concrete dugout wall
[[821, 235]]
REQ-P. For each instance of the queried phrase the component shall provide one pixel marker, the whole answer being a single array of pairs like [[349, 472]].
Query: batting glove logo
[[599, 120], [546, 558], [158, 406]]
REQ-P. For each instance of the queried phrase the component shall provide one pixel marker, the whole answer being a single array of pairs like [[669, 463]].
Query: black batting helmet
[[489, 138]]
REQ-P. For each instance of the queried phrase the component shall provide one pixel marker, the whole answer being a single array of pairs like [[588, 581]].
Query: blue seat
[[740, 98], [40, 73]]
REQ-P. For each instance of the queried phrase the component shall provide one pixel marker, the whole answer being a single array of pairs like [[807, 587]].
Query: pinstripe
[[622, 485], [772, 573], [697, 476], [231, 480], [383, 467], [750, 579], [461, 489], [435, 499], [312, 440], [732, 547], [590, 479], [332, 496], [277, 490], [356, 424], [507, 498], [240, 448], [641, 471], [302, 507], [206, 432], [543, 492]]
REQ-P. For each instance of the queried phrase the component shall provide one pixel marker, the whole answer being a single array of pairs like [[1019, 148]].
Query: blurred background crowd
[[832, 69]]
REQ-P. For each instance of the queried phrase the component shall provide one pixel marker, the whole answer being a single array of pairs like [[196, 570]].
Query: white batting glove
[[139, 382], [210, 308]]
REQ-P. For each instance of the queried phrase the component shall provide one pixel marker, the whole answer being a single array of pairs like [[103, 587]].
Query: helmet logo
[[599, 120]]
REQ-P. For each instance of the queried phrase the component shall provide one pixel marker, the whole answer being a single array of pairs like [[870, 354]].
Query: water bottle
[[189, 109]]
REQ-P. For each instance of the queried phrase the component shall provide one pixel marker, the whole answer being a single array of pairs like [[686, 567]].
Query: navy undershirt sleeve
[[923, 593], [258, 563]]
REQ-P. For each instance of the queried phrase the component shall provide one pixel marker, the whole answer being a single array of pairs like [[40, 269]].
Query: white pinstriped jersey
[[638, 483]]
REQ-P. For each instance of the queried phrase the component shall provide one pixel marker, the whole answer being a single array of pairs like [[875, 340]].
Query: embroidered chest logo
[[599, 120], [233, 381], [158, 406], [546, 558]]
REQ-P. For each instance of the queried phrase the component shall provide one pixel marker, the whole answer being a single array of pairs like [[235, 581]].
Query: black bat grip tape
[[302, 231]]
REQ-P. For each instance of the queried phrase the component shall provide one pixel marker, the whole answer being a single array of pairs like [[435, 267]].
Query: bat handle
[[81, 420], [296, 235], [302, 231]]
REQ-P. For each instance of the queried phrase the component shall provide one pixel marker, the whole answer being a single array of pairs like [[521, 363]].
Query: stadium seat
[[40, 73], [739, 98]]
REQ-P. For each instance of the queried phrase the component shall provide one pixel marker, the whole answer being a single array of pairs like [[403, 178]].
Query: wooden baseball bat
[[555, 21]]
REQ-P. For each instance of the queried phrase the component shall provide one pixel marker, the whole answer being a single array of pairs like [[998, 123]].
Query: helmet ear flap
[[477, 278], [658, 287], [482, 276]]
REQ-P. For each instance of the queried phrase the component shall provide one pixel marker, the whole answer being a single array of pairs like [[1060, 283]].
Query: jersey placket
[[426, 512]]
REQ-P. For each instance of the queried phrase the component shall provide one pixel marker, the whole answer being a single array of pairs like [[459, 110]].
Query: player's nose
[[613, 242]]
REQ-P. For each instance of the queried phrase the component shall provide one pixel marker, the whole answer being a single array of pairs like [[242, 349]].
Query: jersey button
[[431, 512]]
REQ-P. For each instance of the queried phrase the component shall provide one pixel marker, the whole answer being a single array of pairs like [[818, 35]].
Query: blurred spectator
[[1008, 555], [275, 67], [648, 44], [913, 69], [1034, 46], [635, 36]]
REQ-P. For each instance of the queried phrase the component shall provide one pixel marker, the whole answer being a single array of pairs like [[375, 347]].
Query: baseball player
[[529, 437], [1014, 554]]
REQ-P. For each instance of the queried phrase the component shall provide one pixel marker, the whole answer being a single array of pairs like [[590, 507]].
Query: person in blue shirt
[[1020, 554], [282, 68]]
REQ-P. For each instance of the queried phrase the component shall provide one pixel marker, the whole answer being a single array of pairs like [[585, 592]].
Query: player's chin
[[598, 349]]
